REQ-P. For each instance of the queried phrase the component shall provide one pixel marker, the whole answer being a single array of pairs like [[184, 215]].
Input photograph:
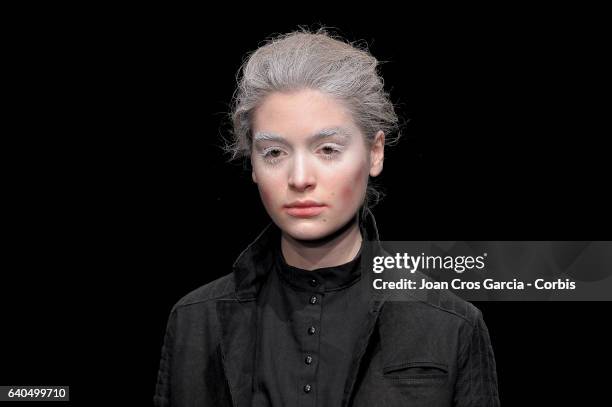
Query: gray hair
[[320, 61]]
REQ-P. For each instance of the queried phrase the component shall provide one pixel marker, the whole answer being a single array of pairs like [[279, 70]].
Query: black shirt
[[309, 323]]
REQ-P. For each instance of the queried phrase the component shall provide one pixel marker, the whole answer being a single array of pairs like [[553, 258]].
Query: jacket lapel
[[237, 320], [362, 346], [377, 301], [238, 316]]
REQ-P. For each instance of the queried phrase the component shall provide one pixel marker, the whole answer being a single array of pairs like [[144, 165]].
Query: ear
[[377, 154], [254, 176]]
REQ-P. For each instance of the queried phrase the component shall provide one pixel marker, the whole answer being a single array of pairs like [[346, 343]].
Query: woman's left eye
[[329, 151]]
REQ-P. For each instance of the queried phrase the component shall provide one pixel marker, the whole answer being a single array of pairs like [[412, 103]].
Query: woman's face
[[310, 162]]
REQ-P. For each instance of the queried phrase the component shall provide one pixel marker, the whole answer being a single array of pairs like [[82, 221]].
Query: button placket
[[313, 299]]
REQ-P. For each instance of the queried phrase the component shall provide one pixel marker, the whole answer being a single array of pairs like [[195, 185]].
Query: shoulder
[[449, 303], [436, 328], [192, 321], [438, 307], [221, 288]]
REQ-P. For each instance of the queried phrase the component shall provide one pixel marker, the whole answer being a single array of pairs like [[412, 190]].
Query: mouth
[[305, 209]]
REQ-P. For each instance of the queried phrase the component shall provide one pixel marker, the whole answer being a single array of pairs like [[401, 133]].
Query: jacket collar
[[256, 261]]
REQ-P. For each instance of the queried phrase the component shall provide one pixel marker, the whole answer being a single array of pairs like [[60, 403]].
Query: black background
[[119, 200]]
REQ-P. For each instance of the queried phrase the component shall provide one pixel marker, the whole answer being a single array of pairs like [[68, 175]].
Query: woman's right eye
[[272, 155]]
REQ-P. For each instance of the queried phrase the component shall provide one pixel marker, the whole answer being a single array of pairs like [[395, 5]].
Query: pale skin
[[306, 146]]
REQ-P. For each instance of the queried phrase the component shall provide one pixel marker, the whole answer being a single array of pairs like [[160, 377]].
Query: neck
[[338, 248]]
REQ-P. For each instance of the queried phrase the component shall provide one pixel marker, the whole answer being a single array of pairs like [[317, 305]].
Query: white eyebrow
[[265, 136]]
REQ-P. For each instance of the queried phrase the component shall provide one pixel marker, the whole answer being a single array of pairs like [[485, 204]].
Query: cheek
[[264, 193], [269, 189], [351, 186]]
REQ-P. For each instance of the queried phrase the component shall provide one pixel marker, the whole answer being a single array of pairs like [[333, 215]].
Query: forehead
[[298, 113]]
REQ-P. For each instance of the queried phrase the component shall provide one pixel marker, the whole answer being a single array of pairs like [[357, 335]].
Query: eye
[[272, 155], [330, 151]]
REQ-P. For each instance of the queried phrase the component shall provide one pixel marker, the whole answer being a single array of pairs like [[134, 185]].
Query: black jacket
[[435, 352]]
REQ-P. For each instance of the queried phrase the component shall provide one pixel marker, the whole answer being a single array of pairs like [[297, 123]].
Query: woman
[[290, 326]]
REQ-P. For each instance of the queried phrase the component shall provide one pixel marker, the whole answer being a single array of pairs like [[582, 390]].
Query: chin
[[307, 229]]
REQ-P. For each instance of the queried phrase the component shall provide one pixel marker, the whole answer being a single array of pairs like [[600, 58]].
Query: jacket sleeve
[[162, 388], [476, 383]]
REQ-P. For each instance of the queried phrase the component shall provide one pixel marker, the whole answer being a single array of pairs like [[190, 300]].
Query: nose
[[301, 176]]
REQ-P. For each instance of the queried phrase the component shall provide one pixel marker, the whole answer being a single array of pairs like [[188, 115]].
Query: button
[[308, 359], [307, 388], [312, 330], [313, 299], [314, 283]]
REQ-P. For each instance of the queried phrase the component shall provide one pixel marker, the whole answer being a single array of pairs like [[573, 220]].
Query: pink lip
[[304, 209]]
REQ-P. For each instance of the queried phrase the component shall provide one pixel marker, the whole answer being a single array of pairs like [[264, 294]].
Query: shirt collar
[[321, 279], [255, 262]]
